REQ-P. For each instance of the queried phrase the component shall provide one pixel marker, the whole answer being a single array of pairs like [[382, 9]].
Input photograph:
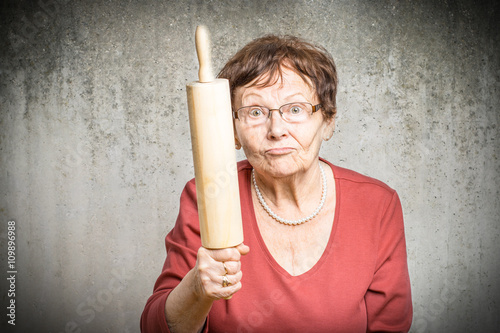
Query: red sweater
[[360, 283]]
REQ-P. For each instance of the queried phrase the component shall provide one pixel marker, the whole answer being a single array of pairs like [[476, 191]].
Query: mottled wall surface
[[95, 145]]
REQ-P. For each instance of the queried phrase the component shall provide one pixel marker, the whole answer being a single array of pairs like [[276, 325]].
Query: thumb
[[243, 249]]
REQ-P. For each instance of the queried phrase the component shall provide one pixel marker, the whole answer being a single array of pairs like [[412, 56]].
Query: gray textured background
[[95, 144]]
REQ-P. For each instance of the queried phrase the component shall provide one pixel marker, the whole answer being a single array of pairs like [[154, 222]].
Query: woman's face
[[276, 147]]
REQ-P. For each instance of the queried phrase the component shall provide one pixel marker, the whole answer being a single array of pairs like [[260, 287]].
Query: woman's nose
[[277, 126]]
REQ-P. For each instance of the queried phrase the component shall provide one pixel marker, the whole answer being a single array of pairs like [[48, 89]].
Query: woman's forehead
[[280, 77], [288, 84]]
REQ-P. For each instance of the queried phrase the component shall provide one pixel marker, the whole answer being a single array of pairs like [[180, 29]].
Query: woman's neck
[[302, 189]]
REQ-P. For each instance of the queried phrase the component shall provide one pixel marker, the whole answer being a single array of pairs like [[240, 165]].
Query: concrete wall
[[95, 144]]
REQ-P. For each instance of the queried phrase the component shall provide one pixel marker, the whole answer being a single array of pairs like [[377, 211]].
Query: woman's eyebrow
[[287, 98]]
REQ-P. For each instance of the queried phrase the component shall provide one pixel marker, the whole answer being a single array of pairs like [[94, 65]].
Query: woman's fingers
[[214, 286], [219, 271], [229, 254], [230, 267]]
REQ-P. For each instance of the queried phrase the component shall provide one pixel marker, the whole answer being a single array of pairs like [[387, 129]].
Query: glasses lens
[[253, 114], [296, 112]]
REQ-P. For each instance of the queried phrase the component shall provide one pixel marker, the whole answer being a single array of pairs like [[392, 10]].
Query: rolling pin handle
[[202, 39]]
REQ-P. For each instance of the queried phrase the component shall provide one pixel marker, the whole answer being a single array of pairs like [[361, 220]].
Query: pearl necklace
[[289, 222]]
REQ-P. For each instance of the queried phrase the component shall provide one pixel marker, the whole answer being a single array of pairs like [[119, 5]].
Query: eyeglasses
[[296, 112]]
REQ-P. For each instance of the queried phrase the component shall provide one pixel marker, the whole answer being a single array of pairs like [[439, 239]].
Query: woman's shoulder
[[357, 179], [244, 165], [241, 166]]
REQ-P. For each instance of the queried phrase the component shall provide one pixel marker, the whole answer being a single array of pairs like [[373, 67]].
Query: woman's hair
[[270, 54]]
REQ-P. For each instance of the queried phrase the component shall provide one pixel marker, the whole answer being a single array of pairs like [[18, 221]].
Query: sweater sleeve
[[182, 244], [388, 299]]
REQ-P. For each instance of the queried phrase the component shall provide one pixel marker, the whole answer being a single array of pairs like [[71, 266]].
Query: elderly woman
[[324, 246]]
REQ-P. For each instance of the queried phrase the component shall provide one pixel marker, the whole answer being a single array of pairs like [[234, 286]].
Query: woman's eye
[[295, 109], [255, 112]]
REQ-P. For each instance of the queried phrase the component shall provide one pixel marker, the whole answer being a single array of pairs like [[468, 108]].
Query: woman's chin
[[279, 167]]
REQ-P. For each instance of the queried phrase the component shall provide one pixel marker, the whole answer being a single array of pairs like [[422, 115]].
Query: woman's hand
[[189, 303], [211, 268]]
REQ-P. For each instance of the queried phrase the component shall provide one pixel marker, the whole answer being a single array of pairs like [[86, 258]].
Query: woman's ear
[[329, 129], [237, 143]]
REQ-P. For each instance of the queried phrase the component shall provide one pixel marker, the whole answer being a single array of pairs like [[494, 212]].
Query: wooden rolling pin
[[212, 139]]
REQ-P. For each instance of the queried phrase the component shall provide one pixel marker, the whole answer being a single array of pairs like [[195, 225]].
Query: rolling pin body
[[212, 139]]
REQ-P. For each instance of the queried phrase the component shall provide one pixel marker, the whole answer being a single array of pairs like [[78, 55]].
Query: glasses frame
[[314, 109]]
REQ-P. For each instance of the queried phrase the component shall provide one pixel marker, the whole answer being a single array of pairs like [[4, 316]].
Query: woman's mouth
[[279, 151]]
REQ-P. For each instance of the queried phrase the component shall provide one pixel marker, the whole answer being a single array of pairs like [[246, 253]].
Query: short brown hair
[[269, 54]]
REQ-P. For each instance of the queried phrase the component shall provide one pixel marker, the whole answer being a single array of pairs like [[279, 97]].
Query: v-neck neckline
[[269, 257]]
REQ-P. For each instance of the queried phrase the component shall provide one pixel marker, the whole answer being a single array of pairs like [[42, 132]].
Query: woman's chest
[[327, 298], [298, 251]]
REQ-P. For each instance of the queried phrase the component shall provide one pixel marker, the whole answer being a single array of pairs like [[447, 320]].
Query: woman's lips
[[279, 151]]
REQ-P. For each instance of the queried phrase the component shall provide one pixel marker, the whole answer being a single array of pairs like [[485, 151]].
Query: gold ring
[[225, 281], [225, 268]]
